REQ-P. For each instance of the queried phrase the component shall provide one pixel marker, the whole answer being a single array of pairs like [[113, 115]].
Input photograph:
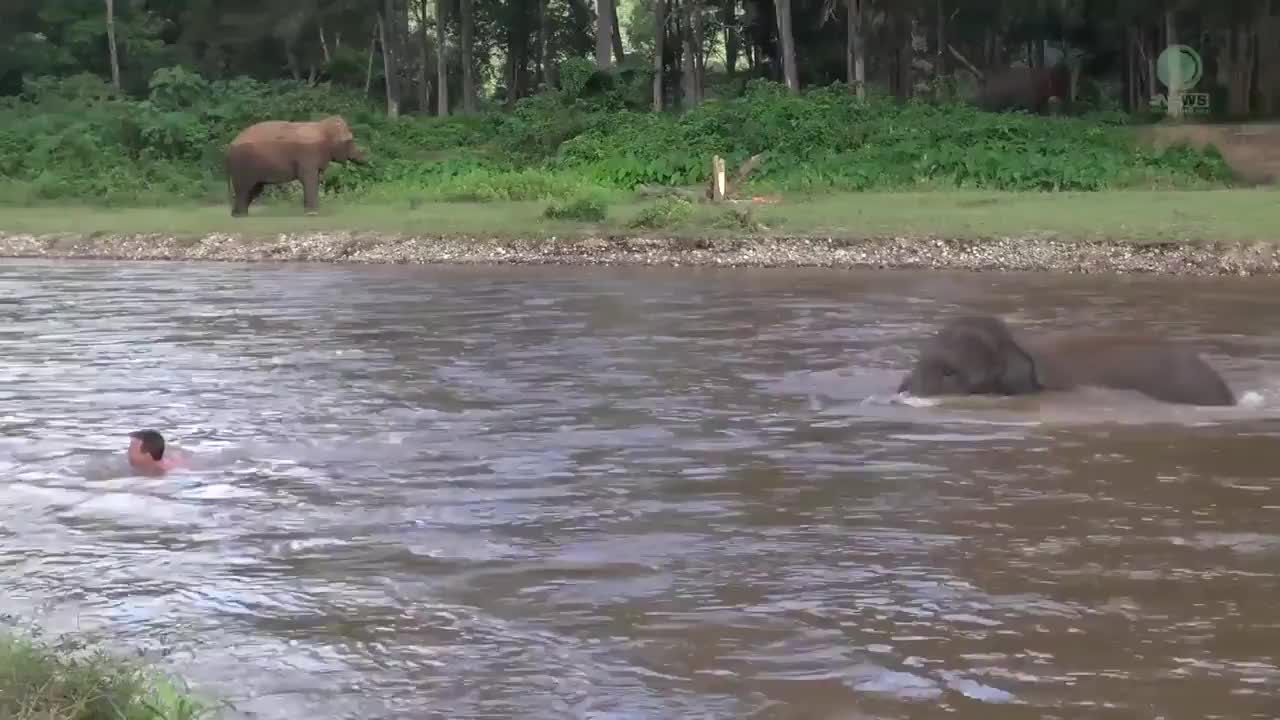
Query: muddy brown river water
[[635, 493]]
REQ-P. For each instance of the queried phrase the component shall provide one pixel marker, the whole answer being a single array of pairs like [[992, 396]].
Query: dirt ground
[[1252, 150]]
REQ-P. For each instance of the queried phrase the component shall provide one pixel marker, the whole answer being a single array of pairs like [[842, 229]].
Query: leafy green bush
[[738, 219], [583, 209], [574, 74], [665, 212], [78, 140]]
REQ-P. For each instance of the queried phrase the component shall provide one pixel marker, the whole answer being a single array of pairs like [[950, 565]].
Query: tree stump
[[719, 185]]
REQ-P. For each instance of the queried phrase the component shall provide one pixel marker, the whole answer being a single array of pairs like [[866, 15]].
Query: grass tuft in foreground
[[65, 682]]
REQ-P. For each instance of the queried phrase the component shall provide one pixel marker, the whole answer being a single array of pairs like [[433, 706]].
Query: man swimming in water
[[146, 453]]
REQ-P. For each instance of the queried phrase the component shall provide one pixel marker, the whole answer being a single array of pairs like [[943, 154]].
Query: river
[[635, 493]]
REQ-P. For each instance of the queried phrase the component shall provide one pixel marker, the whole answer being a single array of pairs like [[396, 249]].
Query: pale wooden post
[[719, 186]]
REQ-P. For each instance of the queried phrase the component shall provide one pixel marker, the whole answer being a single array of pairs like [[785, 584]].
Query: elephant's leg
[[254, 193], [247, 194], [243, 195], [310, 191]]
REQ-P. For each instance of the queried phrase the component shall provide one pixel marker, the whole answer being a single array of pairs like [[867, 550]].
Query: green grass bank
[[1213, 232], [40, 681], [1137, 217]]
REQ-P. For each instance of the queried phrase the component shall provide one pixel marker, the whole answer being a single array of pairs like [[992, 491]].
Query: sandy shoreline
[[1043, 253]]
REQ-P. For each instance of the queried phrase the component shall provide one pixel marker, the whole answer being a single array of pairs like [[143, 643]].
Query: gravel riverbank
[[1046, 253]]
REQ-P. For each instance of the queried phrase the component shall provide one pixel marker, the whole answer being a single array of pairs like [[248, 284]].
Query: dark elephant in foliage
[[1024, 88], [277, 151], [980, 355]]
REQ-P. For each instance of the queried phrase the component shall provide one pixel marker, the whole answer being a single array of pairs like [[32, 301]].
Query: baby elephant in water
[[980, 355]]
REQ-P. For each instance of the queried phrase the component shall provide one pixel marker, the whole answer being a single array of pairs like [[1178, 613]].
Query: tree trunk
[[907, 58], [604, 34], [760, 23], [368, 68], [698, 38], [424, 50], [291, 58], [731, 37], [552, 64], [1250, 62], [688, 64], [1173, 93], [386, 37], [524, 72], [1127, 74], [468, 61], [1241, 70], [675, 40], [1268, 28], [509, 76], [940, 57], [787, 48], [403, 41], [1227, 69], [515, 49], [111, 45], [659, 34], [442, 60], [1150, 59], [856, 49], [544, 31], [324, 46], [901, 52], [618, 54]]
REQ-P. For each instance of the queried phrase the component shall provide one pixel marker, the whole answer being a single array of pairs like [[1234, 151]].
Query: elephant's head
[[974, 355], [342, 143]]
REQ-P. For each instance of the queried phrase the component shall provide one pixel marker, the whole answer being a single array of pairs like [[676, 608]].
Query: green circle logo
[[1185, 61]]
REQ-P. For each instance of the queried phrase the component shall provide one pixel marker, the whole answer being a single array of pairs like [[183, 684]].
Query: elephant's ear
[[1019, 376]]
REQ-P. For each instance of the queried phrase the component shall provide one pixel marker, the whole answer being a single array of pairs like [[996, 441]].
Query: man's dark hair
[[152, 442]]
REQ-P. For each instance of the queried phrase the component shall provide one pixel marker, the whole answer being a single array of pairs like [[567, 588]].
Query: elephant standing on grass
[[981, 356], [276, 152]]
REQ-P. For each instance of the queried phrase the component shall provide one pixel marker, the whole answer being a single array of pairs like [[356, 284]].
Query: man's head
[[146, 448]]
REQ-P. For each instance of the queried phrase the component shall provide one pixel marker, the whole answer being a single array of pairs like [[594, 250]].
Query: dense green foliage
[[663, 213], [76, 140], [43, 682]]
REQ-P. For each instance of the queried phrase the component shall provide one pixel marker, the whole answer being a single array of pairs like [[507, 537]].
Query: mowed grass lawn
[[1234, 215]]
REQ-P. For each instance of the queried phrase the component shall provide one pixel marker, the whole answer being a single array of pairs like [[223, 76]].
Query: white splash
[[1251, 399], [914, 401]]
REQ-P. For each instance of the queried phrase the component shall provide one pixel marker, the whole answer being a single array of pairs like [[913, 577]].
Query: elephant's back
[[268, 131], [1168, 370]]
